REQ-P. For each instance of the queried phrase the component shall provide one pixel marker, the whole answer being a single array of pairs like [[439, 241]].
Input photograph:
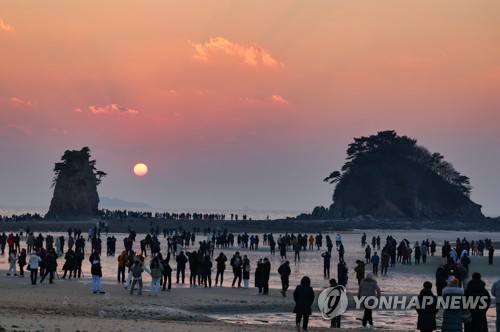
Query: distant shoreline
[[143, 225]]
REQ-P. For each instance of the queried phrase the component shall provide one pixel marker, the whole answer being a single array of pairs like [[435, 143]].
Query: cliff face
[[75, 186], [400, 189]]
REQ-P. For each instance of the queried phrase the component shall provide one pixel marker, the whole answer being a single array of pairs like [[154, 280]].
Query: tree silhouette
[[387, 144], [71, 160]]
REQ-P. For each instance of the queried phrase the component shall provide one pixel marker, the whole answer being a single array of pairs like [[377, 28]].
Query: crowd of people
[[41, 256]]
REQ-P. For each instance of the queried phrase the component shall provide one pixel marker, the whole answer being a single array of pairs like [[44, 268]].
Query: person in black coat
[[259, 276], [207, 271], [166, 272], [441, 277], [335, 322], [304, 298], [237, 263], [342, 273], [477, 288], [426, 321], [70, 263], [50, 266], [181, 260], [266, 265], [284, 271], [221, 266]]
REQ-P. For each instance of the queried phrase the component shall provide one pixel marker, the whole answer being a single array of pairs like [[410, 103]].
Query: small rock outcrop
[[75, 186]]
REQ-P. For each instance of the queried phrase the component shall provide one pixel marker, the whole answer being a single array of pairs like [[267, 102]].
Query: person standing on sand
[[221, 267], [22, 262], [426, 321], [303, 297], [181, 260], [284, 272], [96, 272], [311, 242], [342, 273], [236, 263], [476, 288], [79, 257], [368, 288], [266, 265], [368, 254], [33, 266], [156, 270], [193, 268], [296, 249], [122, 263], [259, 276], [452, 318], [326, 264], [166, 272], [246, 271], [375, 260], [360, 270], [136, 272], [491, 251], [50, 266], [495, 291], [282, 245], [335, 322], [12, 262], [207, 271], [69, 264]]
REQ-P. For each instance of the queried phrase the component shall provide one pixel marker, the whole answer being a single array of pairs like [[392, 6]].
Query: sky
[[236, 104]]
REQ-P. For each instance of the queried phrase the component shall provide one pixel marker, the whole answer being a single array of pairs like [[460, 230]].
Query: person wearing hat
[[368, 288]]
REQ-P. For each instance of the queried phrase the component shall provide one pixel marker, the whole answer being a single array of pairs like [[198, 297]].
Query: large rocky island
[[387, 176], [75, 186]]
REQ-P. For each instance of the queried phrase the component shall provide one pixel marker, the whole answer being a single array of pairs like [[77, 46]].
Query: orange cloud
[[18, 102], [109, 109], [279, 99], [5, 26], [253, 55]]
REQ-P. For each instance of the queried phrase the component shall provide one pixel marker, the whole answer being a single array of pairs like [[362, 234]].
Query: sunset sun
[[140, 169]]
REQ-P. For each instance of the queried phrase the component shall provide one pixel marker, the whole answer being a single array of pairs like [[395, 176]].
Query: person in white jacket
[[495, 291], [33, 266]]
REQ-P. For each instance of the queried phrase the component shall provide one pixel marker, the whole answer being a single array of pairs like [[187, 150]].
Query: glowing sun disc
[[140, 169]]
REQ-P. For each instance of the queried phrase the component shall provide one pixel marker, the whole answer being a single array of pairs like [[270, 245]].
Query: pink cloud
[[109, 109], [252, 55], [58, 131], [5, 26], [279, 99], [18, 102]]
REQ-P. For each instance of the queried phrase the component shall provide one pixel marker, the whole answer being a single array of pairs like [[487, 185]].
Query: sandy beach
[[69, 305]]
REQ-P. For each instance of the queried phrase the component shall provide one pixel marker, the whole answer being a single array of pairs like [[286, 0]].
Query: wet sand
[[71, 306]]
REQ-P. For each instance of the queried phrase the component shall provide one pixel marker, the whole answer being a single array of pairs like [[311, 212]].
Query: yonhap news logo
[[333, 301]]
